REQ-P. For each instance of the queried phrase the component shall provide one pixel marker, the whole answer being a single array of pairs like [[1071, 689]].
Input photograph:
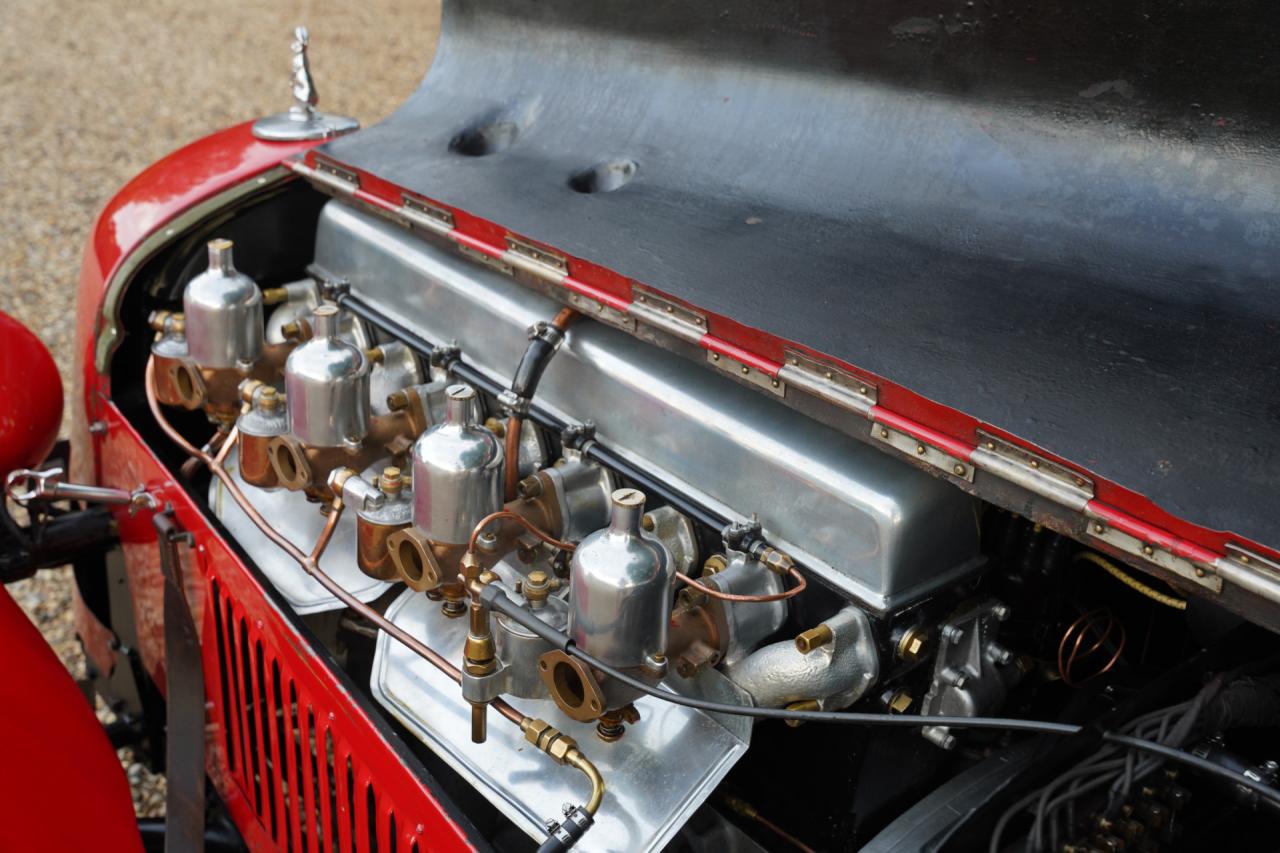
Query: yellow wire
[[1130, 581]]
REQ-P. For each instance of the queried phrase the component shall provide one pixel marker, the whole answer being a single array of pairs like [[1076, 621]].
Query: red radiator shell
[[250, 649]]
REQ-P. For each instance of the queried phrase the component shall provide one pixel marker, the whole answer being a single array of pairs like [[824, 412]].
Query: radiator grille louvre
[[285, 751]]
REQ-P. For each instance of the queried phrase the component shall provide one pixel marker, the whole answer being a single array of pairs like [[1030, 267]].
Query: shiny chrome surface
[[223, 312], [748, 623], [300, 522], [620, 588], [302, 121], [583, 491], [869, 525], [836, 674], [658, 774], [327, 386], [399, 367], [457, 471]]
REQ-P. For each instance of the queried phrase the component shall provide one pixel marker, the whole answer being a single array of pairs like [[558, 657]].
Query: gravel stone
[[92, 93]]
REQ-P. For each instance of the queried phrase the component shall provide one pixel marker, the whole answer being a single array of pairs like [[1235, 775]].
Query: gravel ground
[[91, 93]]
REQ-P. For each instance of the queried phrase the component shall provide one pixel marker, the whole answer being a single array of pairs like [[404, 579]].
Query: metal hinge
[[828, 382], [589, 307], [543, 263], [1205, 576], [1033, 472], [340, 179], [488, 260], [671, 317], [747, 373], [1250, 571], [923, 451], [425, 215]]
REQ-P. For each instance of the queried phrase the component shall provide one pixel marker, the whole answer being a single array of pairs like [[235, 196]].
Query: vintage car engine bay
[[491, 507], [877, 511]]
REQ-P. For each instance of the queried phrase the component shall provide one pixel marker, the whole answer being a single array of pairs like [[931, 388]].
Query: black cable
[[495, 598]]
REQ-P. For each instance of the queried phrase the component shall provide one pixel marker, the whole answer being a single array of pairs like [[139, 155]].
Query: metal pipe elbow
[[835, 675]]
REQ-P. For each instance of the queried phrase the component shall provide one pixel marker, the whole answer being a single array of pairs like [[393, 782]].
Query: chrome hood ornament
[[303, 120]]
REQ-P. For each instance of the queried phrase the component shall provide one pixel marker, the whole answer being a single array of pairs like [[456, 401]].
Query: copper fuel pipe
[[536, 731]]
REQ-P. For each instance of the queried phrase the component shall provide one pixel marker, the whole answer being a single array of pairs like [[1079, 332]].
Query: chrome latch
[[25, 485]]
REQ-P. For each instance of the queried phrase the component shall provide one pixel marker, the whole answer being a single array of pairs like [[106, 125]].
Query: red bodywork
[[46, 716], [30, 397], [271, 700]]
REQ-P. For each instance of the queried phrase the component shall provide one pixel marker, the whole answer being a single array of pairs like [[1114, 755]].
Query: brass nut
[[912, 644], [900, 702], [814, 638], [496, 426], [398, 400], [714, 564], [560, 748], [803, 705]]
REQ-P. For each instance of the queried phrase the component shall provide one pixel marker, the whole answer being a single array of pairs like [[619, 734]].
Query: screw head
[[884, 433], [920, 449], [959, 470]]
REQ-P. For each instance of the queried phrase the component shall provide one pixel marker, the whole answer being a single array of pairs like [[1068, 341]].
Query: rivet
[[829, 375], [644, 299], [1148, 550], [715, 356], [1244, 558], [745, 370], [884, 433], [795, 361], [991, 445], [775, 383], [600, 306], [959, 469], [1199, 572], [670, 310], [862, 389], [1035, 463], [1079, 481], [1099, 528], [698, 320], [920, 448]]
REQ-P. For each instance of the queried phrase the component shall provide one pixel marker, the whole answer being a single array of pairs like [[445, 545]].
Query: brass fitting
[[398, 400], [376, 355], [390, 482], [912, 644], [776, 561], [479, 654], [530, 487], [496, 426], [297, 331], [270, 399], [274, 295], [813, 638], [898, 701], [537, 587], [167, 322], [564, 750], [714, 564], [802, 705]]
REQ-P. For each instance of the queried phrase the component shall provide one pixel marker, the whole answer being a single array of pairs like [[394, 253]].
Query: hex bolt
[[813, 638], [1001, 612], [999, 653], [954, 677], [952, 633]]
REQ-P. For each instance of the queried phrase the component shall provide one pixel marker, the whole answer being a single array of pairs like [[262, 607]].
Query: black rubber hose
[[532, 365], [497, 600]]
